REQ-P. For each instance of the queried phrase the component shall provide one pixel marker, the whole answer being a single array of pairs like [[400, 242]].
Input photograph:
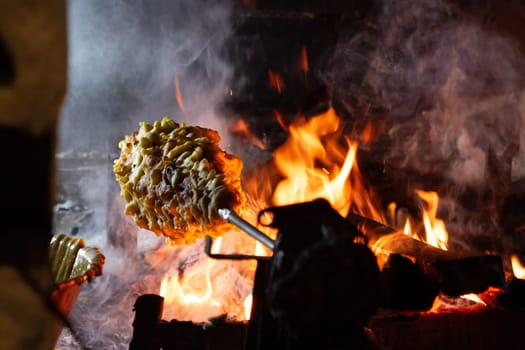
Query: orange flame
[[248, 306], [316, 161], [280, 120], [178, 94], [435, 230], [200, 288], [276, 81], [304, 61], [407, 229], [240, 128], [189, 291], [517, 268], [314, 165], [368, 133]]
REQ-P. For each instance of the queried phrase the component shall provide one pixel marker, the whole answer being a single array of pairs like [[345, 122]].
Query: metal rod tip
[[224, 213]]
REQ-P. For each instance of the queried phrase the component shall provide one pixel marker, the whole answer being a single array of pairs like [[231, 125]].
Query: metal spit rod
[[230, 216]]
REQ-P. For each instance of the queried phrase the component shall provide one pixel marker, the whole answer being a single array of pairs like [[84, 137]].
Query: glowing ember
[[517, 268], [367, 133], [275, 81], [178, 94], [444, 303], [280, 120], [473, 297], [241, 129], [304, 61]]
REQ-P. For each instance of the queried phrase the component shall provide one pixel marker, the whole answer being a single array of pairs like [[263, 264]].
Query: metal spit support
[[230, 216]]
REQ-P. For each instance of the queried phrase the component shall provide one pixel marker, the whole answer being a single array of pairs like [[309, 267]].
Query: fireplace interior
[[432, 95]]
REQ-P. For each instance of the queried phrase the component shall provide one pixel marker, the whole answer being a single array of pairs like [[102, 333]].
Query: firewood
[[405, 287], [393, 241], [455, 273], [466, 275], [514, 297]]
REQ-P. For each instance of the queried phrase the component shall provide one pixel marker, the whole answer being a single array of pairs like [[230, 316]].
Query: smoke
[[452, 89], [124, 58], [453, 92]]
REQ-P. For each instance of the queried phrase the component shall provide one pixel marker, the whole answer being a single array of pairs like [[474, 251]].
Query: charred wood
[[399, 243], [455, 273], [485, 329], [177, 335], [390, 240], [405, 287], [514, 298], [467, 275]]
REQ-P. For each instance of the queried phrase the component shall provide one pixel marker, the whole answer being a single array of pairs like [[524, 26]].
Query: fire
[[316, 161], [189, 291], [173, 288], [435, 230], [215, 249], [517, 268], [248, 306], [178, 94], [197, 288], [473, 297], [280, 120], [314, 164], [444, 303], [436, 233], [407, 230], [240, 128], [304, 61], [368, 133], [275, 81]]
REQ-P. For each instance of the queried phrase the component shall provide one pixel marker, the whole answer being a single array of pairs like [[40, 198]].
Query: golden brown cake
[[175, 177]]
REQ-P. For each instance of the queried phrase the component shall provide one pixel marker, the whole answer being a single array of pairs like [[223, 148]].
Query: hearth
[[386, 98]]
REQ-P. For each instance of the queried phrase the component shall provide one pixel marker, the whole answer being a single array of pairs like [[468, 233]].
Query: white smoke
[[452, 88], [123, 59], [123, 56]]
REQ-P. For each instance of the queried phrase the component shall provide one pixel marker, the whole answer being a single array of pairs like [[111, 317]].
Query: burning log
[[515, 290], [405, 287], [467, 275], [455, 273], [514, 298], [399, 243], [177, 335], [481, 329], [150, 332]]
